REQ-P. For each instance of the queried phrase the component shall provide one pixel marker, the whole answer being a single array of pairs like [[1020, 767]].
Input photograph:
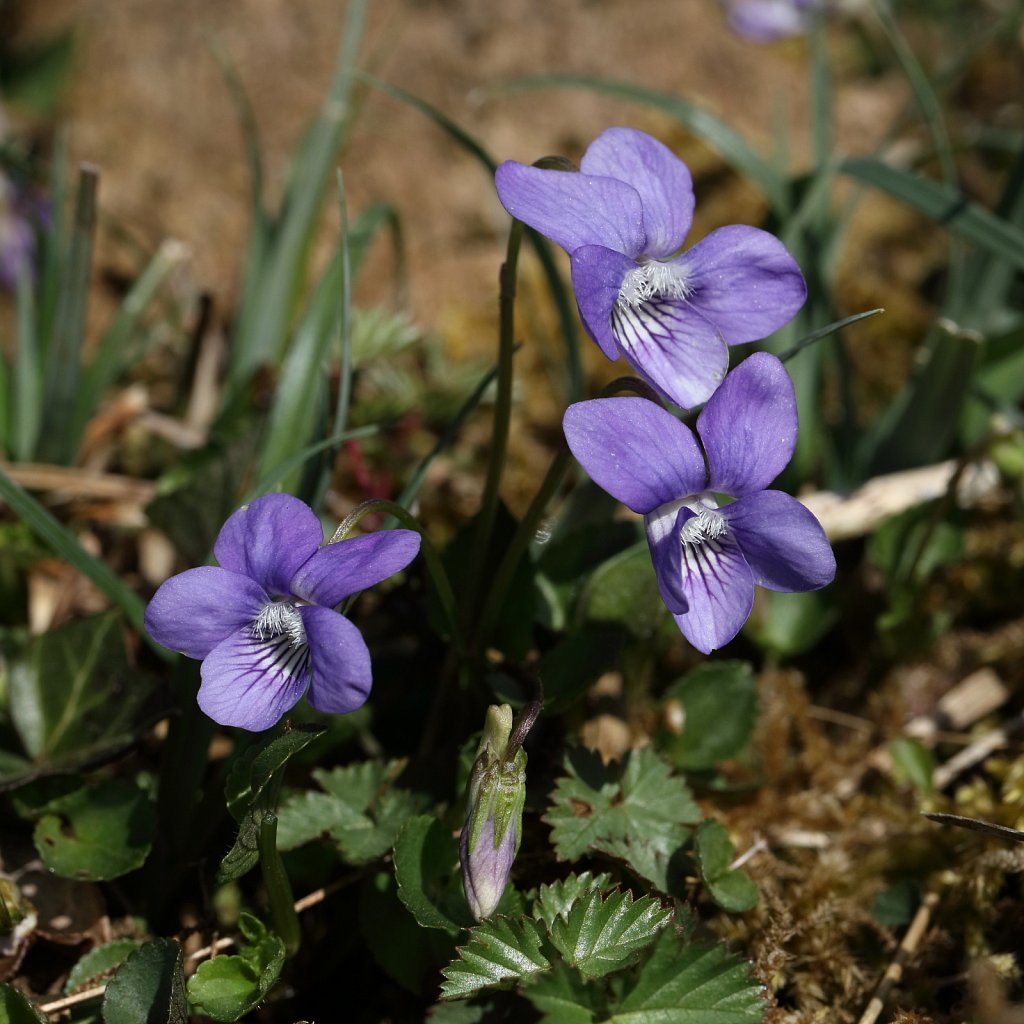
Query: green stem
[[502, 416], [275, 880], [498, 588], [434, 565]]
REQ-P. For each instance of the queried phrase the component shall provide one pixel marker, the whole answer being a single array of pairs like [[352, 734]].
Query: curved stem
[[502, 416], [279, 890], [434, 565]]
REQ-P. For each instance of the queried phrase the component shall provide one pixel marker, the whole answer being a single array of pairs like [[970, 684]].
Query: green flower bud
[[494, 809]]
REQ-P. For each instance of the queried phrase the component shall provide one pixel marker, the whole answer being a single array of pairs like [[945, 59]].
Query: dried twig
[[907, 948]]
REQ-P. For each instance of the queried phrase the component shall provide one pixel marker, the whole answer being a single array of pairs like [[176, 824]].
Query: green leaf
[[250, 796], [149, 987], [600, 935], [624, 590], [361, 810], [789, 624], [951, 209], [16, 1009], [75, 700], [228, 987], [426, 864], [718, 704], [97, 832], [915, 762], [556, 899], [731, 889], [638, 799], [256, 765], [100, 961], [691, 984], [564, 996], [499, 950]]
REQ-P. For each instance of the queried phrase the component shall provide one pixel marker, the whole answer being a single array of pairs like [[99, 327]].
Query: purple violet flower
[[767, 20], [20, 211], [622, 218], [707, 557], [263, 621]]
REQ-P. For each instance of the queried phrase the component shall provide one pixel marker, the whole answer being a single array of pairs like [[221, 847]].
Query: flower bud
[[494, 812]]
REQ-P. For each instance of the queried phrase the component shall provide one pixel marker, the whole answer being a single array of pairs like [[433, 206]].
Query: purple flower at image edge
[[767, 20], [709, 556], [22, 211], [622, 218], [263, 621]]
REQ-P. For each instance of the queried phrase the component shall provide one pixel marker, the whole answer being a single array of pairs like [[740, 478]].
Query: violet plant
[[589, 888]]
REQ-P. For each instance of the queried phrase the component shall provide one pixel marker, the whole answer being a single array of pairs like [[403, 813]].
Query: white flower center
[[707, 524], [281, 618], [653, 280]]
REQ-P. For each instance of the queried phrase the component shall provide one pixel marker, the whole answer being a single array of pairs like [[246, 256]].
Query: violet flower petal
[[250, 683], [744, 281], [485, 871], [269, 539], [783, 543], [767, 20], [635, 450], [348, 566], [197, 609], [671, 345], [573, 209], [341, 663], [667, 556], [719, 590], [662, 180], [597, 276], [749, 426]]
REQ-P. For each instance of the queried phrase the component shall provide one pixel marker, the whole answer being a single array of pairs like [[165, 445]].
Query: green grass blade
[[26, 405], [730, 145], [947, 207], [57, 442], [53, 248], [266, 321], [64, 544], [564, 305], [824, 332], [113, 350]]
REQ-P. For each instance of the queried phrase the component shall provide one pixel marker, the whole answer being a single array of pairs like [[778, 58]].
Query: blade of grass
[[112, 351], [824, 332], [945, 206], [57, 443], [265, 322], [730, 145], [26, 405], [65, 545], [53, 247]]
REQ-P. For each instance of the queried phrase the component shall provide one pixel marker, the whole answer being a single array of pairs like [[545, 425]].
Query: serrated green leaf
[[97, 832], [564, 996], [228, 987], [718, 701], [660, 859], [149, 987], [360, 809], [499, 950], [426, 864], [75, 700], [16, 1009], [99, 961], [600, 935], [555, 900], [691, 984], [638, 799]]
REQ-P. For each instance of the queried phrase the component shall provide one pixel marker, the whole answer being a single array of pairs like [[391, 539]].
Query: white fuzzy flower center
[[281, 618], [653, 280], [707, 524]]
